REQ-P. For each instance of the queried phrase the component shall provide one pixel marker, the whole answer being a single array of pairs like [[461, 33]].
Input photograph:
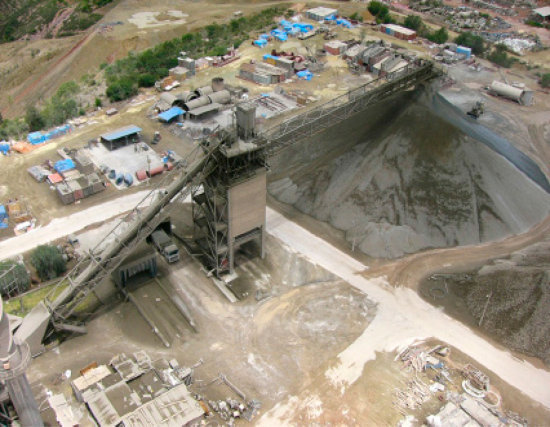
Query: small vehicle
[[477, 110], [165, 246]]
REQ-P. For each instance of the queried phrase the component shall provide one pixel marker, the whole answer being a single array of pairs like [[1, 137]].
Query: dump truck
[[165, 246]]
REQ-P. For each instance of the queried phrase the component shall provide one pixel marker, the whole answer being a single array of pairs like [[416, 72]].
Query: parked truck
[[165, 246]]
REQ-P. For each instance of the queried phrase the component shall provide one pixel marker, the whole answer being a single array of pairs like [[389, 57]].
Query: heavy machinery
[[225, 178], [477, 110], [165, 246]]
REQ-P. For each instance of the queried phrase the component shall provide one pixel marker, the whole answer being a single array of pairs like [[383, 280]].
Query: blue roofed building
[[121, 137]]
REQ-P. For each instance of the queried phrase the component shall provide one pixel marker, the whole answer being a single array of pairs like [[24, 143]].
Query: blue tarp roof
[[64, 165], [168, 115], [121, 133], [305, 74], [2, 212], [36, 137], [260, 42]]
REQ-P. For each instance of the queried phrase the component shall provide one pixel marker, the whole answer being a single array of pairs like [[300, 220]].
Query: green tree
[[98, 102], [18, 277], [34, 119], [122, 88], [48, 262], [500, 57], [440, 36], [414, 22], [472, 41], [545, 80], [146, 80]]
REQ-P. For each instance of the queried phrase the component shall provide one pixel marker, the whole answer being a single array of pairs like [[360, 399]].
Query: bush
[[146, 80], [34, 119], [545, 80], [414, 22], [121, 89], [476, 43], [440, 36], [48, 262], [125, 75], [500, 57], [381, 12], [98, 103], [18, 278]]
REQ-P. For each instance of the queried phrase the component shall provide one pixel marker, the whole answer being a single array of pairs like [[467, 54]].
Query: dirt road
[[402, 317], [61, 227], [408, 271]]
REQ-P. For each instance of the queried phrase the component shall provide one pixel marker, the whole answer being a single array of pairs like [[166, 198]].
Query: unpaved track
[[410, 270], [402, 317], [62, 227]]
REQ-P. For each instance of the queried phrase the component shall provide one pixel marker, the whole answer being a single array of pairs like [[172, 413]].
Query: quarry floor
[[318, 348]]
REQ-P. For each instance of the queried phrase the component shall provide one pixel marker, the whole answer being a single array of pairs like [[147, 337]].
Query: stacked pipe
[[14, 358]]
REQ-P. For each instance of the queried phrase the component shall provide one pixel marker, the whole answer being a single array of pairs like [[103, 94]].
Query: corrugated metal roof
[[205, 109], [543, 11], [170, 114], [121, 133]]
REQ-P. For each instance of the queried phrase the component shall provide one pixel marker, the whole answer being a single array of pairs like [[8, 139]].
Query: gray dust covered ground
[[403, 180], [269, 348], [512, 294]]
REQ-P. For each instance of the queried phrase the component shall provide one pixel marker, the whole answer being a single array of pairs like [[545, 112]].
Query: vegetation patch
[[143, 69]]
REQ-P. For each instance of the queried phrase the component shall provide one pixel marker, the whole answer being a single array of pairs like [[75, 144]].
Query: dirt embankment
[[509, 297], [403, 180]]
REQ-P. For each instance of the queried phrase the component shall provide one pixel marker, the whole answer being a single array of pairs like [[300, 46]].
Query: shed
[[121, 137], [170, 114], [321, 13], [36, 138], [398, 31], [55, 178], [83, 163], [199, 112], [64, 165], [38, 173], [65, 193], [543, 12], [96, 183], [335, 47]]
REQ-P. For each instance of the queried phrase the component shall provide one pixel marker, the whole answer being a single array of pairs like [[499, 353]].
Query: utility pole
[[485, 308]]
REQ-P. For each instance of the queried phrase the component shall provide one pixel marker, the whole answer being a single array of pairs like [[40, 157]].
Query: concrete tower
[[14, 358]]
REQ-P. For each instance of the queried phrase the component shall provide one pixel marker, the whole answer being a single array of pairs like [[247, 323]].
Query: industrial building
[[398, 31], [130, 391], [121, 137], [321, 13]]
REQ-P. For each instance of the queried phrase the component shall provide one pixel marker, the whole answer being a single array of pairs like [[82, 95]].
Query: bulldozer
[[477, 110]]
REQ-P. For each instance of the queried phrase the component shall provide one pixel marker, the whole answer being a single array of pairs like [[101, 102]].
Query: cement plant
[[274, 213]]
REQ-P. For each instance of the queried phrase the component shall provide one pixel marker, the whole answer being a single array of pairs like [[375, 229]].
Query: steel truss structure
[[205, 175]]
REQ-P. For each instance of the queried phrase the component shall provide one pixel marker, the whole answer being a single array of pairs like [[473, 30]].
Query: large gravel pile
[[400, 179]]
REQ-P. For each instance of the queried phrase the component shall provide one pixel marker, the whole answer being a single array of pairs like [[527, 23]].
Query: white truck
[[165, 246]]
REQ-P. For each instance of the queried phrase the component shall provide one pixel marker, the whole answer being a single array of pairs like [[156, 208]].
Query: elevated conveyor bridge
[[57, 311]]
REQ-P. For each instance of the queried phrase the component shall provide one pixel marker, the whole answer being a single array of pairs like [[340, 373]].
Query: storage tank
[[218, 84], [156, 171], [523, 96], [205, 90], [128, 180], [119, 178], [196, 103], [141, 175], [221, 97]]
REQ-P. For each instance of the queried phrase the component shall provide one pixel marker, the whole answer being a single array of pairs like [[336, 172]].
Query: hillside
[[36, 19]]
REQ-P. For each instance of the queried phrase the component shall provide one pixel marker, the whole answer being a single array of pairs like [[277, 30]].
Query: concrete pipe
[[205, 90], [196, 103], [221, 97]]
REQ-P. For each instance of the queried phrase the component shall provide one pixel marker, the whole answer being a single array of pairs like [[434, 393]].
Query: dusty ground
[[310, 316]]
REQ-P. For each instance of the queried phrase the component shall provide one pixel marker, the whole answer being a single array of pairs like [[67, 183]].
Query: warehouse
[[398, 31], [321, 13]]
